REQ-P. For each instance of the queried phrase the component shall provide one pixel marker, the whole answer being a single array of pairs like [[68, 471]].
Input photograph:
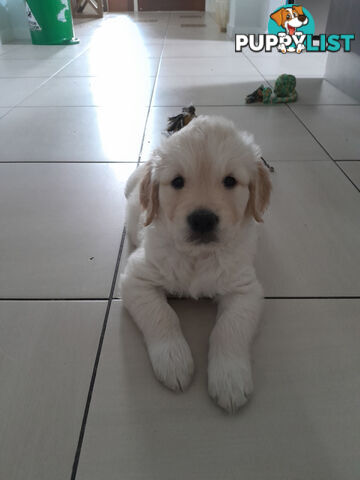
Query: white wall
[[342, 68], [13, 21], [248, 16], [210, 5]]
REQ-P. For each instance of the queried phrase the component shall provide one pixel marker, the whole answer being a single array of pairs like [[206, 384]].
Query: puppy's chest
[[197, 278]]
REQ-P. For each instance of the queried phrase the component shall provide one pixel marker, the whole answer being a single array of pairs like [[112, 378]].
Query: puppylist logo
[[291, 29]]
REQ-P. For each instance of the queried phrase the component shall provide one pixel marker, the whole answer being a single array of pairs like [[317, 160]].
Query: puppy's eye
[[178, 182], [295, 15], [288, 16], [229, 181]]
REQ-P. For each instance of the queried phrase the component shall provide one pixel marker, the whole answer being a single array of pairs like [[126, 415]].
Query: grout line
[[96, 363], [66, 299], [101, 340], [322, 146], [45, 81], [335, 297], [152, 94], [79, 162], [308, 129], [305, 126], [347, 176]]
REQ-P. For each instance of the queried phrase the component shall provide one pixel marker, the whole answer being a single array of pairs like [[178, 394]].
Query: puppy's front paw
[[230, 382], [172, 362], [300, 48]]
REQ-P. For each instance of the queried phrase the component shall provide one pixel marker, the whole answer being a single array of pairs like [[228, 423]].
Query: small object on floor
[[177, 122], [256, 96], [267, 165], [284, 91]]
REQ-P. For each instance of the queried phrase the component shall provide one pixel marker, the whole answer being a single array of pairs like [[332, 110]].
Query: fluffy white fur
[[166, 261]]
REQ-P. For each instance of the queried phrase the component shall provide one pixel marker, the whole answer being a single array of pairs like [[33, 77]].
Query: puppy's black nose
[[202, 221], [302, 18]]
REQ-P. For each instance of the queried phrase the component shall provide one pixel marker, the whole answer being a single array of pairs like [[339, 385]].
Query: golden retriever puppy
[[191, 212]]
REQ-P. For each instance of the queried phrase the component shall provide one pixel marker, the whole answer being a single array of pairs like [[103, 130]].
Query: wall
[[6, 34], [249, 16], [13, 22], [343, 69], [252, 16], [210, 5]]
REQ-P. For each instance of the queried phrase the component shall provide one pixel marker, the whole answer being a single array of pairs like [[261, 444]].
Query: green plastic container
[[50, 22]]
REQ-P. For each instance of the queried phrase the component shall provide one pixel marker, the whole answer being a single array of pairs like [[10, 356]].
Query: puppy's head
[[290, 18], [203, 183]]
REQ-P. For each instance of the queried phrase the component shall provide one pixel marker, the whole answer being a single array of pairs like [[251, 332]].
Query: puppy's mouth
[[291, 30], [202, 238]]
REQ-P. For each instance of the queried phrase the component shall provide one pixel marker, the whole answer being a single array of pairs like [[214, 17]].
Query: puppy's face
[[290, 18], [203, 182]]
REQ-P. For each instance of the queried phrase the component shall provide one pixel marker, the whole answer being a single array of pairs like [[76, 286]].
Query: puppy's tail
[[134, 179]]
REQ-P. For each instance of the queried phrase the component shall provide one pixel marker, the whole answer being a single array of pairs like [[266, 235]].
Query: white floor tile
[[95, 63], [60, 228], [352, 169], [76, 134], [301, 423], [275, 128], [30, 68], [238, 66], [5, 48], [124, 92], [309, 240], [45, 52], [335, 126], [4, 111], [134, 48], [14, 90], [202, 48], [204, 90], [210, 32], [195, 17], [304, 65], [47, 352], [319, 91], [123, 29]]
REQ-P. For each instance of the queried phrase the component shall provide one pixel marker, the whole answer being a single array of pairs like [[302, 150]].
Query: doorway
[[147, 5], [120, 5]]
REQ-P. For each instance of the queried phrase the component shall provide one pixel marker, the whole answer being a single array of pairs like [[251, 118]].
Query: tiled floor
[[74, 122]]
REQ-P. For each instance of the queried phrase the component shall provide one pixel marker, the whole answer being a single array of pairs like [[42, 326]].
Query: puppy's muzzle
[[202, 225]]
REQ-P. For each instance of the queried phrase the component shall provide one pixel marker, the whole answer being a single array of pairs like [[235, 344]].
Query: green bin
[[50, 22]]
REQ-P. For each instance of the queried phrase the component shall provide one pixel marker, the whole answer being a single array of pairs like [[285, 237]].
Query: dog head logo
[[290, 18], [294, 22]]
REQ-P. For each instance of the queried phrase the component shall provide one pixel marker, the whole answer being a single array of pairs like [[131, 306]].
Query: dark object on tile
[[267, 165], [177, 122], [193, 25], [256, 95]]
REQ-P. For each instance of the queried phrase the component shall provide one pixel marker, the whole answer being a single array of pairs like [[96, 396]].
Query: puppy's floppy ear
[[278, 16], [260, 189], [149, 194], [298, 9]]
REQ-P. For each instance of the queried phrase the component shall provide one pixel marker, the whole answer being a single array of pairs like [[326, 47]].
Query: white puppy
[[190, 212]]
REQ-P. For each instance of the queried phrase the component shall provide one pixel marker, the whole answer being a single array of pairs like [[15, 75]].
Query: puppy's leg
[[230, 379], [169, 352]]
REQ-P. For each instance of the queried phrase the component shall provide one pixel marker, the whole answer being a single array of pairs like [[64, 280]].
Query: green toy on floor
[[284, 91]]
